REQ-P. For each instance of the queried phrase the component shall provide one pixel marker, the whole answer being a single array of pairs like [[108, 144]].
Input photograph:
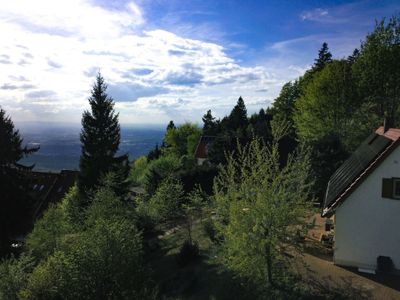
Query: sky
[[167, 59]]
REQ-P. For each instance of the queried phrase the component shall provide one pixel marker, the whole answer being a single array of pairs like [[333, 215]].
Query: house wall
[[200, 161], [368, 225]]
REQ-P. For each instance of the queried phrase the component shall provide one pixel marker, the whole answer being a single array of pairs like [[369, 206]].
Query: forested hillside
[[144, 229]]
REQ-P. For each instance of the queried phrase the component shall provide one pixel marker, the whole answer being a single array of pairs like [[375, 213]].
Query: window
[[396, 188], [391, 188]]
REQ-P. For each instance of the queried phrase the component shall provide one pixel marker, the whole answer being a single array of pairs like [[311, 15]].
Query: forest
[[163, 226]]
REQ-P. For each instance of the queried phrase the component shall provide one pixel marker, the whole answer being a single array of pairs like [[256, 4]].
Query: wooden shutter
[[387, 188]]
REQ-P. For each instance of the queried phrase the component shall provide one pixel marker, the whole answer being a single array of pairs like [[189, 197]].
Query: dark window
[[391, 188], [396, 188]]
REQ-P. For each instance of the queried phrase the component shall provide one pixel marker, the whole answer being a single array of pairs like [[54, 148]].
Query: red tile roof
[[391, 133], [204, 146]]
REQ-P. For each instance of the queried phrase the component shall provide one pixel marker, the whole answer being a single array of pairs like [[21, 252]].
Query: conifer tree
[[210, 125], [14, 199], [238, 116], [324, 58], [171, 125], [100, 138]]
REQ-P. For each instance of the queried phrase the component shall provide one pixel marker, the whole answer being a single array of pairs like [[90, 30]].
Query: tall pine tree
[[100, 138], [238, 116], [324, 58], [210, 126]]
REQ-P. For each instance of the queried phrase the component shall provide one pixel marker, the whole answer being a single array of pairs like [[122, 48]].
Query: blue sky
[[166, 59]]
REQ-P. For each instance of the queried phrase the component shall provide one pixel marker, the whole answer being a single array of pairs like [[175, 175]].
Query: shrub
[[104, 262], [167, 201], [14, 276], [48, 231], [188, 252], [210, 231]]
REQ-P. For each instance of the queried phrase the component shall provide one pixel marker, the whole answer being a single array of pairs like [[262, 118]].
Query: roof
[[49, 187], [361, 163], [204, 145]]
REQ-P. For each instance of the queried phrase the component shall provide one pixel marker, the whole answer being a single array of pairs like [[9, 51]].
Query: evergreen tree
[[352, 58], [238, 116], [171, 125], [210, 125], [100, 138], [324, 58], [14, 198]]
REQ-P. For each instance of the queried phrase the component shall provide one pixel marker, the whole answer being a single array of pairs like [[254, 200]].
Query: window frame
[[395, 181]]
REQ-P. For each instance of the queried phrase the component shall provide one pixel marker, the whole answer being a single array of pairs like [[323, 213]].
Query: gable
[[367, 156]]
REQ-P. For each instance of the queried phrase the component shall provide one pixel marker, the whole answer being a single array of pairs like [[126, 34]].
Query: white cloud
[[50, 51], [314, 15]]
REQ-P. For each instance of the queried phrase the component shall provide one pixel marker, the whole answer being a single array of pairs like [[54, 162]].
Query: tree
[[324, 58], [377, 70], [237, 119], [210, 126], [183, 139], [171, 125], [100, 138], [14, 200], [328, 105], [328, 155], [284, 105], [261, 209], [167, 201]]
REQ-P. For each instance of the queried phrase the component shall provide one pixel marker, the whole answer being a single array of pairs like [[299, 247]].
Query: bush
[[103, 262], [188, 252], [47, 233], [210, 231], [167, 201], [14, 276]]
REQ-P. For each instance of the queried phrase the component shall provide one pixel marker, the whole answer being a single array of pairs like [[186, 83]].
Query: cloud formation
[[57, 47]]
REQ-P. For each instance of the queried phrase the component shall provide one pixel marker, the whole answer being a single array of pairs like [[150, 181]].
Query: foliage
[[188, 252], [154, 153], [197, 175], [167, 201], [100, 259], [237, 119], [210, 125], [261, 208], [377, 70], [324, 58], [328, 104], [72, 207], [14, 275], [15, 201], [158, 170], [210, 231], [284, 105], [105, 262], [328, 155], [192, 209], [138, 170], [48, 232], [100, 138], [107, 206], [183, 139]]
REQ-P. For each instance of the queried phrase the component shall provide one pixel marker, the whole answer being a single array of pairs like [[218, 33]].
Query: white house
[[363, 196]]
